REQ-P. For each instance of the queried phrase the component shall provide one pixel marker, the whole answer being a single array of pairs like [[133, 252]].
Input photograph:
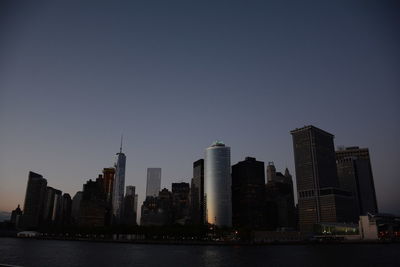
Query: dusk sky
[[174, 76]]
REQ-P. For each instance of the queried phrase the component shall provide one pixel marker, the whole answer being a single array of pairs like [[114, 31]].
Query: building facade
[[319, 196], [197, 193], [34, 201], [93, 205], [118, 187], [248, 194], [129, 211], [355, 175], [280, 198], [218, 182], [153, 185], [181, 203]]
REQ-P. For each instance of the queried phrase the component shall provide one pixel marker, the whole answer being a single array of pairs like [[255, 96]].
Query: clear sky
[[174, 76]]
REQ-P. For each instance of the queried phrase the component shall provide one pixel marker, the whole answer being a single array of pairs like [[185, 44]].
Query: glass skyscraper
[[218, 182], [119, 186], [153, 182]]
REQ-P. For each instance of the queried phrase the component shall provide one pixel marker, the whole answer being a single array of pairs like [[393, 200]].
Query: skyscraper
[[92, 211], [280, 195], [181, 202], [57, 207], [66, 209], [108, 175], [197, 192], [248, 194], [355, 175], [119, 186], [48, 205], [319, 198], [129, 211], [218, 182], [76, 206], [34, 201], [153, 182]]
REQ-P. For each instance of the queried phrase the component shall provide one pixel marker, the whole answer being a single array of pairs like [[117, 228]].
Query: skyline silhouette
[[174, 77]]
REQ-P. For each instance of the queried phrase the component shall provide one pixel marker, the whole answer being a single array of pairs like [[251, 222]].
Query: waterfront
[[31, 252]]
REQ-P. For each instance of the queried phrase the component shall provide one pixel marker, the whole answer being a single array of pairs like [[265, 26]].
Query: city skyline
[[175, 77]]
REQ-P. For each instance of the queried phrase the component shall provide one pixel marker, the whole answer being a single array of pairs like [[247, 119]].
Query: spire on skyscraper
[[120, 148]]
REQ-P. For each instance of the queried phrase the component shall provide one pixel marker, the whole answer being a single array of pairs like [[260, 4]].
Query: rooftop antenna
[[120, 148]]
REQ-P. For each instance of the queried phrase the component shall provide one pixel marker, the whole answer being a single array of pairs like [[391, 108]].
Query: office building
[[248, 194], [108, 175], [76, 206], [157, 210], [93, 204], [355, 175], [57, 207], [118, 187], [66, 209], [280, 197], [197, 193], [129, 210], [319, 198], [181, 203], [153, 182], [218, 182], [34, 201], [16, 216], [48, 205]]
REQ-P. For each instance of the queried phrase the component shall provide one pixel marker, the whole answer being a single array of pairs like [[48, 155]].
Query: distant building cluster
[[334, 188]]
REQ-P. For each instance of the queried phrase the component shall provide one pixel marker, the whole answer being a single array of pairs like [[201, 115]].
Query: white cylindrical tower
[[217, 180]]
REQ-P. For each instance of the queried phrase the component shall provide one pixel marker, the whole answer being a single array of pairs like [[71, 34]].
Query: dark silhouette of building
[[319, 197], [15, 216], [197, 193], [280, 198], [355, 175], [129, 210], [157, 210], [76, 206], [108, 176], [34, 200], [66, 207], [93, 204], [57, 208], [248, 194], [181, 202], [48, 206]]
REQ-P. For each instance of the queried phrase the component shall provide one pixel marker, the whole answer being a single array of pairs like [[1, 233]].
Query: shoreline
[[215, 243]]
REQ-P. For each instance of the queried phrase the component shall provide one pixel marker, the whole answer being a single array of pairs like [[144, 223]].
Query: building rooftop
[[217, 143], [310, 127]]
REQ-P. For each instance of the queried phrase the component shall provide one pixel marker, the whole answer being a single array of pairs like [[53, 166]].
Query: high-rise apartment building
[[153, 182], [248, 194], [34, 201], [197, 192], [119, 186], [217, 181], [355, 175], [319, 198]]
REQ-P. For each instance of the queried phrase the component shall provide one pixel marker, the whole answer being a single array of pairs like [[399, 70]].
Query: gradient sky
[[174, 76]]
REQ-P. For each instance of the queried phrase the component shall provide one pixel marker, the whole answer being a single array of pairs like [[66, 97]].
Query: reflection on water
[[27, 252]]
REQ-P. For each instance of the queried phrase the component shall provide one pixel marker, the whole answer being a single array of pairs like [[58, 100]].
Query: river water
[[30, 252]]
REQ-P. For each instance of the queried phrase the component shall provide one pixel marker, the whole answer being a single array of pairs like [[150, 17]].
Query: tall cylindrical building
[[217, 181]]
